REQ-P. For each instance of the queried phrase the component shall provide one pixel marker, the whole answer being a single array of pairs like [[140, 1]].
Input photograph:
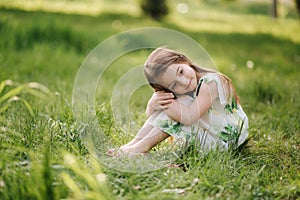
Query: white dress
[[224, 125]]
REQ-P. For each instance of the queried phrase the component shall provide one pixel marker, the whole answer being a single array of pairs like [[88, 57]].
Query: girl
[[190, 103]]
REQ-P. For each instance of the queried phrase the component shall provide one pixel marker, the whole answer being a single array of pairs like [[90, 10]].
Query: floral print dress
[[224, 125]]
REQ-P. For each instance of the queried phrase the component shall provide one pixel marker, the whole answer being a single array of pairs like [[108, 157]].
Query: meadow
[[42, 155]]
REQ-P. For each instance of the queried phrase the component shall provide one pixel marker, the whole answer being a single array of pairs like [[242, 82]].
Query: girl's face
[[179, 78]]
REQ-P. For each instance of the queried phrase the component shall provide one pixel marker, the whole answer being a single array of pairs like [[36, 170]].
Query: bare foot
[[124, 152], [112, 151]]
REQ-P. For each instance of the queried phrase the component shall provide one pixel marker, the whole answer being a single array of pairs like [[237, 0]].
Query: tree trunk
[[274, 9]]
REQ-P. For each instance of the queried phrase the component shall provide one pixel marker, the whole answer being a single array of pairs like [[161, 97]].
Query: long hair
[[161, 58]]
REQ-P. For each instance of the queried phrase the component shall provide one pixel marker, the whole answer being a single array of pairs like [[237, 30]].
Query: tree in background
[[155, 8], [298, 6], [274, 10]]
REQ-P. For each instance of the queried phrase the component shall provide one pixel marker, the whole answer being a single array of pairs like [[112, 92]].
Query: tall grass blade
[[39, 86], [28, 106], [14, 92], [5, 107], [47, 175]]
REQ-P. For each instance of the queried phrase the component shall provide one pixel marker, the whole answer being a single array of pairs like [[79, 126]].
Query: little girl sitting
[[189, 103]]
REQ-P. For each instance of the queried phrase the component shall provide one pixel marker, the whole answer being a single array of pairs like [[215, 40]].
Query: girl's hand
[[159, 101]]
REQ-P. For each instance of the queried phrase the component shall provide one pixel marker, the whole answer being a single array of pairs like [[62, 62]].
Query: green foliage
[[155, 8], [34, 163], [93, 180], [48, 32], [13, 94], [48, 175], [266, 92]]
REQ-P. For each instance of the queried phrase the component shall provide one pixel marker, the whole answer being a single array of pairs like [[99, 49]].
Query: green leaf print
[[205, 79], [230, 133], [170, 127], [231, 106], [234, 104]]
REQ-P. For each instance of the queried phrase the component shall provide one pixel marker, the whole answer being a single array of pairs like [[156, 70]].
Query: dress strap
[[198, 87]]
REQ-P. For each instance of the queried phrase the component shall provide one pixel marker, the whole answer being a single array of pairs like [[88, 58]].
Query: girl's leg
[[151, 139], [143, 132], [146, 128]]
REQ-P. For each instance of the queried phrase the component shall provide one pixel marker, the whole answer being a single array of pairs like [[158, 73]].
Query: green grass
[[42, 156]]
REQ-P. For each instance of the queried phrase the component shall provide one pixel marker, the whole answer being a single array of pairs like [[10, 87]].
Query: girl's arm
[[158, 101], [189, 114]]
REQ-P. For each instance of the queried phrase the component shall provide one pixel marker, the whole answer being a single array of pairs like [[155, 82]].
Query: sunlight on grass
[[198, 16], [86, 7], [203, 18]]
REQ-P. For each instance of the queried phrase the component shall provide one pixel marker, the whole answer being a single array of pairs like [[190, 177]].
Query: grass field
[[42, 156]]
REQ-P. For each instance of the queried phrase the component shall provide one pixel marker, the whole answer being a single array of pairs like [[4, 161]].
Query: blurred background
[[37, 34], [255, 42], [275, 8]]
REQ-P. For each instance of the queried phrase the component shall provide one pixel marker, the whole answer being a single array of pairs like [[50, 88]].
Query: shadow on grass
[[79, 32], [76, 30]]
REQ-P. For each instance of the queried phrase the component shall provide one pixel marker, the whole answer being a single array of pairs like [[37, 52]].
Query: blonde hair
[[158, 61]]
